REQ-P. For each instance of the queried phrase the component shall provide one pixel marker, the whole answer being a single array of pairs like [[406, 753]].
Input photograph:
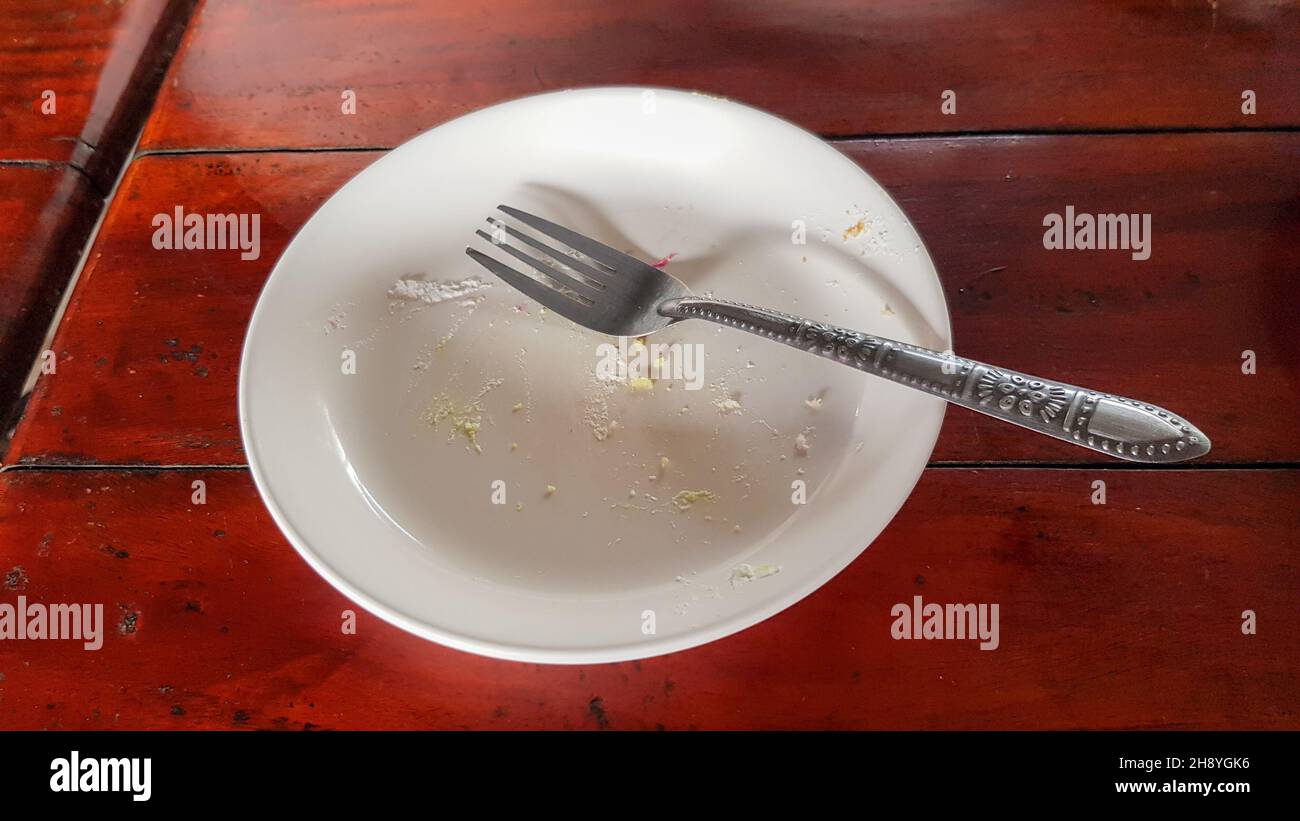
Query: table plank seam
[[839, 138], [53, 165]]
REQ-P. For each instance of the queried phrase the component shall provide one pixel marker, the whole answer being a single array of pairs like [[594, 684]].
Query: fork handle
[[1120, 427]]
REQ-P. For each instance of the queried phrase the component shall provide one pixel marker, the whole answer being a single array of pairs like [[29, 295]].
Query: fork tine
[[563, 281], [599, 276], [616, 261], [556, 300]]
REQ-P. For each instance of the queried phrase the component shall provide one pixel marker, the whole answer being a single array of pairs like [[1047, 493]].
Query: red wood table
[[76, 79], [1122, 615]]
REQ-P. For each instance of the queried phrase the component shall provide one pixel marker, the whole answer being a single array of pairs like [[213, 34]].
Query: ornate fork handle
[[1125, 428]]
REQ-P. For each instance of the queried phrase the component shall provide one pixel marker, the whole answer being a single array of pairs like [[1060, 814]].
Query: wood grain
[[46, 214], [273, 75], [102, 61], [1171, 329], [1126, 615], [149, 348]]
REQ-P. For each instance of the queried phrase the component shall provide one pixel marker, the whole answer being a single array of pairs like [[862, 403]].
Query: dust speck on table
[[596, 709], [16, 579]]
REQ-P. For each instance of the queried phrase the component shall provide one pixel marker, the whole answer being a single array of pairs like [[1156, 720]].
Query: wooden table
[[76, 80], [1122, 615]]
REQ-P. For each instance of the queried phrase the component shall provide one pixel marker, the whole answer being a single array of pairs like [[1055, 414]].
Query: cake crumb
[[727, 405], [745, 573], [432, 292], [685, 499], [803, 442]]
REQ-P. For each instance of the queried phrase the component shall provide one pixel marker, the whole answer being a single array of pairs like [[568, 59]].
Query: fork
[[611, 292]]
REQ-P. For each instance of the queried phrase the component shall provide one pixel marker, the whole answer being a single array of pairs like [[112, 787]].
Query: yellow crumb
[[686, 498], [464, 419]]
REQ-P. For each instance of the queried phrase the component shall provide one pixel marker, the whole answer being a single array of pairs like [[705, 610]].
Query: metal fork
[[611, 292]]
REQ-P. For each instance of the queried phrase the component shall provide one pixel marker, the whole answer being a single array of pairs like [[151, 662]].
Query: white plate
[[398, 512]]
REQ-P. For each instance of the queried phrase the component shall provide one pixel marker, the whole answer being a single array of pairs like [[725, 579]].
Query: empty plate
[[489, 476]]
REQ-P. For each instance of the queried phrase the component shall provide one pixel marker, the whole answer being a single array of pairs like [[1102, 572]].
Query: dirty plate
[[449, 455]]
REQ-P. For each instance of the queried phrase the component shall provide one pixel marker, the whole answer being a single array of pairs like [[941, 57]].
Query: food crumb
[[518, 407], [550, 491], [814, 403], [337, 321], [803, 442], [465, 418], [727, 405], [519, 506], [887, 311], [432, 292], [745, 573], [686, 498]]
